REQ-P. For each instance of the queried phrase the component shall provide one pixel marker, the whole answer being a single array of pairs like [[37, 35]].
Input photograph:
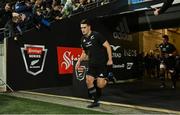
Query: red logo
[[31, 50], [66, 55]]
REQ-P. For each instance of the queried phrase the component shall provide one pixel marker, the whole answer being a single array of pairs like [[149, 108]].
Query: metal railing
[[5, 33]]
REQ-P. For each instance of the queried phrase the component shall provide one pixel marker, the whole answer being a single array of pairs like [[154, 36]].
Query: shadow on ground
[[141, 92]]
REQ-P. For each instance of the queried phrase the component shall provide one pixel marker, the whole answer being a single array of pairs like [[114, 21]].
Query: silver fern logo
[[34, 62]]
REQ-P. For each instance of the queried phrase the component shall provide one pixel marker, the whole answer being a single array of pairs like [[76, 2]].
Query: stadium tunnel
[[36, 60]]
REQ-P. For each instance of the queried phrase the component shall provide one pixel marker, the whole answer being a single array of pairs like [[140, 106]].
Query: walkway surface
[[107, 107], [129, 98]]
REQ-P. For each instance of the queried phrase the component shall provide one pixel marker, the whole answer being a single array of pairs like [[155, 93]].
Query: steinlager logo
[[34, 57]]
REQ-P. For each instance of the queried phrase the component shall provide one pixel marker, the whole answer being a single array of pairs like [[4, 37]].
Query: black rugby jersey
[[167, 48], [93, 46], [170, 61], [166, 5]]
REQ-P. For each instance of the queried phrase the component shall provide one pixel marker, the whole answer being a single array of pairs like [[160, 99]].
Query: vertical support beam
[[3, 78], [3, 67], [5, 61]]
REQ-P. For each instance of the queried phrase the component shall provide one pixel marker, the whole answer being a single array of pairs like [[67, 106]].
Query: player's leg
[[92, 92], [162, 75]]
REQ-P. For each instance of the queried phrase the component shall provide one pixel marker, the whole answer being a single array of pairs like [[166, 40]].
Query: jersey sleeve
[[173, 48], [166, 5], [160, 46], [82, 46], [101, 38]]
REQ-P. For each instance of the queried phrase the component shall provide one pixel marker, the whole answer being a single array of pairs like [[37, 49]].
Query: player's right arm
[[166, 5], [82, 57]]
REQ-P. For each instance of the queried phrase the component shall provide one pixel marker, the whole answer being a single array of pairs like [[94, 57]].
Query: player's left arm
[[174, 51], [166, 5], [109, 52]]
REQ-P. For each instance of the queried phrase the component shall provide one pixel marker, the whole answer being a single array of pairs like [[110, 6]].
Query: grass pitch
[[15, 105]]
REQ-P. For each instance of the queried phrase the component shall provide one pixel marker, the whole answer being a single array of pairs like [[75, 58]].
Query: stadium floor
[[143, 93]]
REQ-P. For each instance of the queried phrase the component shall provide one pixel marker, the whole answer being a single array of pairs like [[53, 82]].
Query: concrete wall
[[2, 69], [175, 38]]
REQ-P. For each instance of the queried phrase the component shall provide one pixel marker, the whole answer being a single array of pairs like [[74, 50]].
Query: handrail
[[1, 29]]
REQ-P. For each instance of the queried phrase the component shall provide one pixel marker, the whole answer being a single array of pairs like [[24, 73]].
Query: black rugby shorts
[[97, 71]]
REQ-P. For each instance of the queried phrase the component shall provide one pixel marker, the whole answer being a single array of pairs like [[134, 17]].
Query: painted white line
[[58, 96], [107, 103], [122, 81]]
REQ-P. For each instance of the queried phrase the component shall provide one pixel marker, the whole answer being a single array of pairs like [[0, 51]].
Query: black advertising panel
[[36, 58], [125, 46], [33, 60]]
